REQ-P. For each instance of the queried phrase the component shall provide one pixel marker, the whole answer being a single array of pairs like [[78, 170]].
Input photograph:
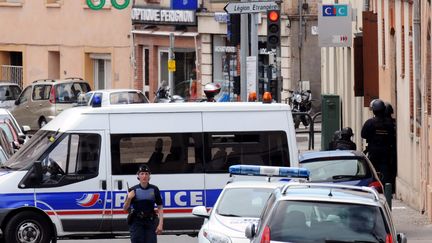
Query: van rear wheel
[[27, 227]]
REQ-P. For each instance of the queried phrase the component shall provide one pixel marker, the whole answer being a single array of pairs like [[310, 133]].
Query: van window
[[254, 148], [69, 92], [73, 158], [41, 92], [163, 153]]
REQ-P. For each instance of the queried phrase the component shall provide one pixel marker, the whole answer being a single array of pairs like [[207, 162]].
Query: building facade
[[393, 44], [50, 39]]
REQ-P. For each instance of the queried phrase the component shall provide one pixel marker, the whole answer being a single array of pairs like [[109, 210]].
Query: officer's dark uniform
[[144, 220], [344, 142], [379, 134]]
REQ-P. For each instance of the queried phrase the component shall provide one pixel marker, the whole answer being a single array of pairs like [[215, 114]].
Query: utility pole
[[254, 47], [244, 52]]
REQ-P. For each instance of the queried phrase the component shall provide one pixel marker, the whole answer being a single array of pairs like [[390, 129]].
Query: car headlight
[[214, 237]]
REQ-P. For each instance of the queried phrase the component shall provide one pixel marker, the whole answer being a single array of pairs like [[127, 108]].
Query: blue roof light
[[256, 170], [97, 100]]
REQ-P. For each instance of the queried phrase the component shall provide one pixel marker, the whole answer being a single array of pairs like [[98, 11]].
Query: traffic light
[[273, 29], [233, 29]]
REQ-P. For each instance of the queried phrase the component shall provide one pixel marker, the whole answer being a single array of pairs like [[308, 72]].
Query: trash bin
[[331, 118]]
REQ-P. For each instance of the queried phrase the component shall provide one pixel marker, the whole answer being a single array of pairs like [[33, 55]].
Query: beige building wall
[[71, 28], [337, 75]]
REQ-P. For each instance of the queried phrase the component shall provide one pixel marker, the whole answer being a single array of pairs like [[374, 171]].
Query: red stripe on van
[[88, 212]]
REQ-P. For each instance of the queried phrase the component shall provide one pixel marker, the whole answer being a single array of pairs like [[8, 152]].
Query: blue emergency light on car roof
[[97, 100], [269, 171]]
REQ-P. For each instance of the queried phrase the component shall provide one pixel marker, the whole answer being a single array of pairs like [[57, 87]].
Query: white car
[[240, 204], [7, 115], [105, 97]]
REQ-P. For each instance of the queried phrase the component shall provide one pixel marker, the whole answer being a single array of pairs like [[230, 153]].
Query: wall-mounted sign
[[184, 4], [221, 17], [230, 49], [334, 25], [163, 16]]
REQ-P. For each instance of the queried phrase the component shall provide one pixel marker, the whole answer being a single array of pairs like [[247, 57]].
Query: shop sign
[[263, 51], [184, 4], [163, 16], [221, 17], [171, 65], [230, 49]]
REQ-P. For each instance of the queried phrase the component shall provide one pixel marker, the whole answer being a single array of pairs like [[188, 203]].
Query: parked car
[[9, 92], [241, 202], [5, 145], [317, 212], [5, 115], [341, 166], [115, 97], [44, 99], [12, 134]]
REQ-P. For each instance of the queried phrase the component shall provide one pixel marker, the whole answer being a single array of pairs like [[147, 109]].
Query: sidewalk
[[411, 222]]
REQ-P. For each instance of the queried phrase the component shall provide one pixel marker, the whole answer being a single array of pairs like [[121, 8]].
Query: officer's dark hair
[[378, 107]]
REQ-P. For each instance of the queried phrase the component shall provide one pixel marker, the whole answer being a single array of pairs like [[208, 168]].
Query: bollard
[[388, 194]]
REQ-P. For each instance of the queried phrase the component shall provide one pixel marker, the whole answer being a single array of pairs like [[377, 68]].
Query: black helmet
[[388, 109], [143, 168], [378, 107], [347, 132]]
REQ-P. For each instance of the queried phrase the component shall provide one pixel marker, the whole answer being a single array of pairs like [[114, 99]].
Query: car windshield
[[32, 150], [298, 221], [243, 202], [337, 170], [127, 97]]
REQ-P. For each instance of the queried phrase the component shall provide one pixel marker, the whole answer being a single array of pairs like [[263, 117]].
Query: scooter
[[163, 96], [300, 101]]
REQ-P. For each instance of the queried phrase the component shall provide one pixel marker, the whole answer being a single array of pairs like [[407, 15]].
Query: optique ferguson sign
[[163, 16]]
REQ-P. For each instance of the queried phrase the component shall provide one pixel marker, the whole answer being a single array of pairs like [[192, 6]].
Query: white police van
[[71, 178]]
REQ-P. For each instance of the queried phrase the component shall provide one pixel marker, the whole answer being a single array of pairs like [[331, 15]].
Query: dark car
[[341, 166]]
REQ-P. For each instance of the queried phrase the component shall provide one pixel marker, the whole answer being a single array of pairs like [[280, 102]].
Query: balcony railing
[[13, 74]]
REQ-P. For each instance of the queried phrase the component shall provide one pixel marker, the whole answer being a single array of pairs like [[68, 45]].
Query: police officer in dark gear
[[379, 134], [144, 223], [344, 142], [393, 161]]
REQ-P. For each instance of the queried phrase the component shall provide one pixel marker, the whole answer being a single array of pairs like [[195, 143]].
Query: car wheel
[[42, 122], [27, 227]]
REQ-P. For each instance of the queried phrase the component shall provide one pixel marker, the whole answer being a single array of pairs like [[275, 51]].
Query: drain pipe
[[366, 5]]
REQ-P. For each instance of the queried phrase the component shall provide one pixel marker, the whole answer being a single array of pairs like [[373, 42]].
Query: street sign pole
[[244, 52], [170, 58], [254, 47]]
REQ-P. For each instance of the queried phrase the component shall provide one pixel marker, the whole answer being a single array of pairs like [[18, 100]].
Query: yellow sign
[[171, 65]]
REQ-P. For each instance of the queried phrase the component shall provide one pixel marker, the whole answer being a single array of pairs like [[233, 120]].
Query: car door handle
[[104, 184]]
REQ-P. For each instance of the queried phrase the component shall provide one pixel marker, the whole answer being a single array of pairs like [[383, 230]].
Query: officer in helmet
[[144, 223], [344, 142], [379, 134], [393, 161]]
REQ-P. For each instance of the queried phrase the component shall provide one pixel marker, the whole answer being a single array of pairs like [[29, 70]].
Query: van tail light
[[389, 238], [52, 95], [377, 185], [266, 235]]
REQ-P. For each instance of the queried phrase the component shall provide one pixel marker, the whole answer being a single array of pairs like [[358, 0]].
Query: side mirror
[[250, 231], [401, 238], [200, 211], [17, 102], [25, 129]]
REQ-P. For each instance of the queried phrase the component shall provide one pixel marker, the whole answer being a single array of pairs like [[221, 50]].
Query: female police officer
[[143, 222]]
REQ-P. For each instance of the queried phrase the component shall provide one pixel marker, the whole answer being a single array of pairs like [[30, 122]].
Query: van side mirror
[[25, 129], [17, 102], [250, 231], [401, 238]]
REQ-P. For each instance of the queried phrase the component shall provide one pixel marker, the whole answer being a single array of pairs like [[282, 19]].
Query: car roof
[[115, 90], [330, 154], [57, 81], [3, 83], [320, 192]]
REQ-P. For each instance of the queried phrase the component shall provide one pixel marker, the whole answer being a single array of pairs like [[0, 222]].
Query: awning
[[165, 33]]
